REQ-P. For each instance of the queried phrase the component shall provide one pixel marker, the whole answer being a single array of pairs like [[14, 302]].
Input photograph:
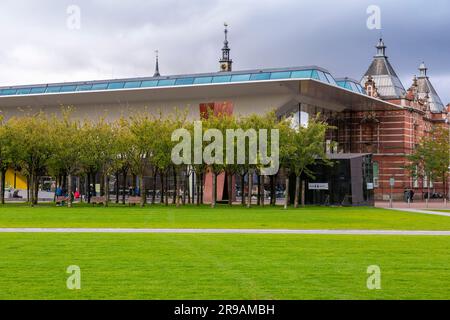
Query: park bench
[[98, 200], [61, 199], [134, 200]]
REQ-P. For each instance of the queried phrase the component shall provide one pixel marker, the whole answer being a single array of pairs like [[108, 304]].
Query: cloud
[[118, 38]]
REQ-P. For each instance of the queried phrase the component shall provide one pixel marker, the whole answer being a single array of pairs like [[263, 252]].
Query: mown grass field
[[177, 266], [12, 216], [220, 266]]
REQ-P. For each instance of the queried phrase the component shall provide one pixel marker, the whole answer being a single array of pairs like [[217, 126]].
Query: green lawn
[[222, 217], [177, 266], [219, 266]]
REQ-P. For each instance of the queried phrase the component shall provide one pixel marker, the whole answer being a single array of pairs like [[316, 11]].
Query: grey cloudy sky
[[118, 38]]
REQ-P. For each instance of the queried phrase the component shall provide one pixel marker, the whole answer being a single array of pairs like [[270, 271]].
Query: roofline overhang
[[175, 93]]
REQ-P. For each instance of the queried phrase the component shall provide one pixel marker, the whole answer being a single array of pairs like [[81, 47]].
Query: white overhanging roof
[[311, 85]]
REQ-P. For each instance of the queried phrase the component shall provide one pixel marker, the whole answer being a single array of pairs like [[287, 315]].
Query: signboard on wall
[[369, 186], [392, 182], [318, 186]]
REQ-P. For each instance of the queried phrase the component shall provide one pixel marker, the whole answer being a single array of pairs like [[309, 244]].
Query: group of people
[[60, 192], [409, 195]]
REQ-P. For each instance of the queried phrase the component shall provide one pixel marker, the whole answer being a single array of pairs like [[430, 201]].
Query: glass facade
[[348, 182], [280, 74]]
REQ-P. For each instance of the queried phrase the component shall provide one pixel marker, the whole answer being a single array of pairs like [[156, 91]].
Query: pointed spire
[[226, 36], [423, 70], [157, 74], [381, 49], [225, 62]]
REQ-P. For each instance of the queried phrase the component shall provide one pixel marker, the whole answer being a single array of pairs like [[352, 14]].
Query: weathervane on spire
[[225, 62], [157, 74]]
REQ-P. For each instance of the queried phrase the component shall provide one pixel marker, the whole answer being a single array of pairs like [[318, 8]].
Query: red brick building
[[391, 133]]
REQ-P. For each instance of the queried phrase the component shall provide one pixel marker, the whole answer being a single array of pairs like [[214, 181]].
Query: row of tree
[[61, 146]]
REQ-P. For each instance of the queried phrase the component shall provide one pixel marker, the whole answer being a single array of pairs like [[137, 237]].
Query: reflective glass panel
[[149, 83], [221, 79], [184, 81], [280, 75], [84, 87], [303, 74], [70, 88], [315, 75], [100, 86], [116, 85], [203, 80], [330, 78], [38, 90], [24, 91], [240, 77], [168, 82], [353, 86], [8, 92], [260, 76], [132, 84], [53, 89], [322, 77]]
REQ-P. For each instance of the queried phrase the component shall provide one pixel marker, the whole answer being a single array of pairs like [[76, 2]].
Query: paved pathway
[[227, 231], [421, 205], [424, 211]]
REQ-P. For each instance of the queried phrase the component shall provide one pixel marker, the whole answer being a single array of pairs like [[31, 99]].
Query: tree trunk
[[214, 190], [176, 186], [303, 192], [263, 194], [297, 190], [161, 178], [69, 190], [88, 190], [94, 183], [2, 186], [250, 188], [177, 192], [230, 188], [286, 193], [167, 188], [133, 184], [155, 173], [202, 189], [124, 185], [143, 191], [102, 185], [186, 194], [197, 187], [106, 189], [243, 189], [258, 201], [117, 191], [28, 188], [272, 190], [36, 190]]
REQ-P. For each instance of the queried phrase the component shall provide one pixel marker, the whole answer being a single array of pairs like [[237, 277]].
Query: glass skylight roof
[[188, 80], [351, 85]]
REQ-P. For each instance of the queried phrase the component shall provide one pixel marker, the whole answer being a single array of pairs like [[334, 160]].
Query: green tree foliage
[[431, 158], [61, 146]]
